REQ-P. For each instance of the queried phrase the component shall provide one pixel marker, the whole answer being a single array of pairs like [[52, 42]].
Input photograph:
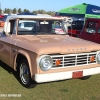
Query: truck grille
[[71, 60]]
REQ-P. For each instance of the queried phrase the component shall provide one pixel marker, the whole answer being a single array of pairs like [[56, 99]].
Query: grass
[[74, 89]]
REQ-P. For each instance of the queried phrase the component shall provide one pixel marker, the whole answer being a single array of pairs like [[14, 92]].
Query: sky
[[47, 5]]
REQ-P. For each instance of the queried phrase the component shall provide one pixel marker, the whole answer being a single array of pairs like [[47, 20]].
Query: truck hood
[[51, 44]]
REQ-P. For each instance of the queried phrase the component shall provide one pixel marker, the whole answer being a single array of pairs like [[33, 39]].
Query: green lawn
[[74, 89]]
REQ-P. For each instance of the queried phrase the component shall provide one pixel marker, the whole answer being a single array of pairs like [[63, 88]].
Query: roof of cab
[[93, 18], [33, 17]]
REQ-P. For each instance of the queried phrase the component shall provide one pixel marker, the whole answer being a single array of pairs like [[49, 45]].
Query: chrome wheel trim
[[24, 74]]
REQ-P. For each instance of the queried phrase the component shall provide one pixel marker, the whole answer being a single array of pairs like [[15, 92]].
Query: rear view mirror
[[7, 27], [44, 22]]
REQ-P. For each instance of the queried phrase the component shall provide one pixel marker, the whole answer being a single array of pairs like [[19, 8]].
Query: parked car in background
[[91, 30], [76, 27], [2, 20], [41, 54]]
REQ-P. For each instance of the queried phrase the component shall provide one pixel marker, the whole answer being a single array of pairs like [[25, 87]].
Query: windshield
[[40, 27]]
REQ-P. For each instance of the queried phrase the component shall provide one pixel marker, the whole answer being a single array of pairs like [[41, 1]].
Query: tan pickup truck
[[38, 48]]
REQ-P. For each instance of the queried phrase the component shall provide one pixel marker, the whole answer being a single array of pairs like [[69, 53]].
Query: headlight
[[45, 62], [98, 57]]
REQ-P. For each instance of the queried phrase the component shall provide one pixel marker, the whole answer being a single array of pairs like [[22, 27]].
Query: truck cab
[[91, 30]]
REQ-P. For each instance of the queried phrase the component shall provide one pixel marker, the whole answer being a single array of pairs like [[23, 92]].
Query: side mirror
[[7, 27], [67, 22], [68, 19]]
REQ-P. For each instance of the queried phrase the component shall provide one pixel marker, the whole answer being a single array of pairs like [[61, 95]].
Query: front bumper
[[40, 78]]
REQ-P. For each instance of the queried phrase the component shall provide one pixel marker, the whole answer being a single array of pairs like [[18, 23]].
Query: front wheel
[[24, 74]]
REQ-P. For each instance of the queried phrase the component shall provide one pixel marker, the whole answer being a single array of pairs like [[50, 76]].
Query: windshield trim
[[39, 33]]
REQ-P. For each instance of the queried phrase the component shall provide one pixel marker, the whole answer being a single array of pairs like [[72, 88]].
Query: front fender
[[24, 53]]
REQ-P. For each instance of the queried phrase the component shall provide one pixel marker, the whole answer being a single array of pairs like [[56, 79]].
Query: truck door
[[6, 43], [97, 38], [5, 49], [90, 31]]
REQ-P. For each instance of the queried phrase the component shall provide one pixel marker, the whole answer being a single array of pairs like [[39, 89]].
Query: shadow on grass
[[15, 73]]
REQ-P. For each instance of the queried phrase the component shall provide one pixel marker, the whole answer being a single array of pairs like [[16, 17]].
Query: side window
[[91, 27], [99, 30], [19, 25], [13, 26], [27, 25], [56, 25]]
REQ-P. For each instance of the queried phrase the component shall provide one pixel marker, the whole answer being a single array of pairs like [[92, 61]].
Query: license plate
[[77, 74]]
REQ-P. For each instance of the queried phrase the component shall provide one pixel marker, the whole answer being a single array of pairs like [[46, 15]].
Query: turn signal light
[[92, 58], [57, 62]]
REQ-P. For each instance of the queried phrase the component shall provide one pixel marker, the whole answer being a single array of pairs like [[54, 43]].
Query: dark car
[[91, 30]]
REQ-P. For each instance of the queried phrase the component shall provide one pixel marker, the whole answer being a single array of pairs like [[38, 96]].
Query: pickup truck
[[42, 54], [91, 30]]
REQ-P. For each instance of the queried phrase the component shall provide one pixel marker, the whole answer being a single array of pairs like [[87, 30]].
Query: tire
[[85, 77], [24, 73]]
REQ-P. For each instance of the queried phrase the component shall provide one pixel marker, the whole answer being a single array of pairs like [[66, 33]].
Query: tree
[[14, 11], [43, 12], [19, 10], [0, 11], [5, 10], [8, 11], [52, 13], [26, 10], [35, 12], [39, 12]]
